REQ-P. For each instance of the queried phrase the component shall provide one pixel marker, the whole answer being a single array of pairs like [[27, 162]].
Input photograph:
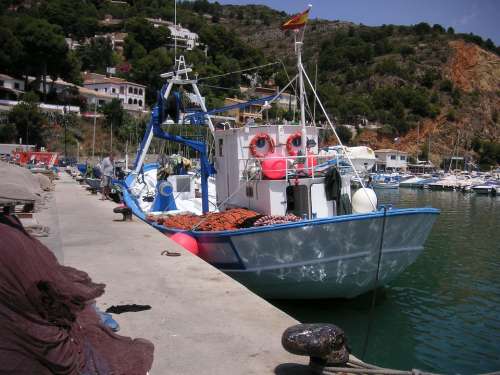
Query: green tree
[[146, 34], [8, 133], [113, 112], [11, 50], [97, 55], [28, 120], [45, 48], [344, 134], [148, 69]]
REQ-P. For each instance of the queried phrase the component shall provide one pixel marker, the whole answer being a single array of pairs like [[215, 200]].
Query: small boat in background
[[489, 187], [385, 181]]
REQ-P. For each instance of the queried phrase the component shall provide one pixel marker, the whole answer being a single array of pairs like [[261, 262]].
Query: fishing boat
[[319, 239]]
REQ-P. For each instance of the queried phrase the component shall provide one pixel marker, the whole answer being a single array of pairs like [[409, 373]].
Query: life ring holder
[[289, 143], [257, 138]]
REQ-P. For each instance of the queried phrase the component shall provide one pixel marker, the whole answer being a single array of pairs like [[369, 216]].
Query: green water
[[443, 313]]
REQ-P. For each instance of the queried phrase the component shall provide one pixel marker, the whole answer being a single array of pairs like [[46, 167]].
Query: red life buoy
[[253, 145], [290, 148]]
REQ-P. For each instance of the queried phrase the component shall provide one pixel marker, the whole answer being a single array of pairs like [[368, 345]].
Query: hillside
[[413, 83], [417, 82]]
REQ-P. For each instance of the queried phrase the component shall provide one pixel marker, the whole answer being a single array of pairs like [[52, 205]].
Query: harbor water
[[443, 313]]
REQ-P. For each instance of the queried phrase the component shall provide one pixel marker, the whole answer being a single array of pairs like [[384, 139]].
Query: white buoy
[[363, 201]]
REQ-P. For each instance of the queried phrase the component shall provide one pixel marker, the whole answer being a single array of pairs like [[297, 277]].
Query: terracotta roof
[[5, 76], [390, 150], [94, 78], [97, 94]]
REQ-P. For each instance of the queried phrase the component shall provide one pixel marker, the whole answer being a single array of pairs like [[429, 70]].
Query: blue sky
[[481, 17]]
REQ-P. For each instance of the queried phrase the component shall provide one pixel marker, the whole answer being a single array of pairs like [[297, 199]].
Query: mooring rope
[[374, 296]]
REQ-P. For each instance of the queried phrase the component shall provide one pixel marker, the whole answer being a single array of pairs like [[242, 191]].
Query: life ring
[[290, 146], [259, 137]]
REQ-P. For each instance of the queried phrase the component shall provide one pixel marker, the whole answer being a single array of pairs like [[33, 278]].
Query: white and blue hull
[[321, 258]]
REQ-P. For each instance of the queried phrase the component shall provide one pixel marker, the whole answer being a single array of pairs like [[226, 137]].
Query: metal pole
[[65, 120], [175, 28], [93, 135], [298, 47], [315, 88], [111, 140]]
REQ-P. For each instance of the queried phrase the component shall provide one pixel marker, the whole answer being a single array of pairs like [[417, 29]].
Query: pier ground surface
[[201, 321]]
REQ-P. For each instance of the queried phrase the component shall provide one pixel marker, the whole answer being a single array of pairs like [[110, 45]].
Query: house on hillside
[[184, 37], [10, 87], [243, 115], [389, 159], [117, 40], [286, 101], [132, 95]]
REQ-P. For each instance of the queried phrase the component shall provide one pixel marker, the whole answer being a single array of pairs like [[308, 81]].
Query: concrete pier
[[201, 321]]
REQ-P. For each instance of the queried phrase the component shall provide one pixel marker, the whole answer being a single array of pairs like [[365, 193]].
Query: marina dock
[[201, 321]]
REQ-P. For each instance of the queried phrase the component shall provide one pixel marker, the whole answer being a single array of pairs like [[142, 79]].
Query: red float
[[186, 241], [274, 167]]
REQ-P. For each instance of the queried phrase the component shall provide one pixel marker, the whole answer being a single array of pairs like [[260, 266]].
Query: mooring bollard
[[324, 343], [125, 211]]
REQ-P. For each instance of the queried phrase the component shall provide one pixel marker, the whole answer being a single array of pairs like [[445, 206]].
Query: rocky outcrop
[[472, 68]]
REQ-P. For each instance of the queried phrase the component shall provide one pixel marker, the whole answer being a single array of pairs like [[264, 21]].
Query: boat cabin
[[263, 168]]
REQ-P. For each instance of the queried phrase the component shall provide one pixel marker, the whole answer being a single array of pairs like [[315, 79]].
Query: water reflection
[[443, 313]]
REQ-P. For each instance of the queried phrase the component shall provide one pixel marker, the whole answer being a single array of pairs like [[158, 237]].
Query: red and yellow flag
[[297, 21]]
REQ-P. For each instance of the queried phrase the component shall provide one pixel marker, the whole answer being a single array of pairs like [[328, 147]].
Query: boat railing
[[285, 167]]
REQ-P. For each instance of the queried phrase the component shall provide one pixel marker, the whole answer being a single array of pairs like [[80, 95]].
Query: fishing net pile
[[236, 218], [18, 184], [48, 323]]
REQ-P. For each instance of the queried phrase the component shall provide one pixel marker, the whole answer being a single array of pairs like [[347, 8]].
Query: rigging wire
[[219, 87], [239, 71]]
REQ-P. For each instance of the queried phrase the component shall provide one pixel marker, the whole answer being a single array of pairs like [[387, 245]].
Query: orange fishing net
[[215, 221]]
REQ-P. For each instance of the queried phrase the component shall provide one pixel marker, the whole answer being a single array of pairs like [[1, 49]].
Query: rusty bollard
[[324, 344]]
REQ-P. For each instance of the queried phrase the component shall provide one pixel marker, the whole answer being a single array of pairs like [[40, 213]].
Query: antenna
[[175, 28]]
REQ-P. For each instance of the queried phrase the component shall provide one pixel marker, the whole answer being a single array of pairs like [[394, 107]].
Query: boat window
[[402, 157], [249, 191], [221, 144], [393, 157]]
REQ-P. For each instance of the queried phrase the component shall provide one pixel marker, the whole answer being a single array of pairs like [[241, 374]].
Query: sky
[[481, 17]]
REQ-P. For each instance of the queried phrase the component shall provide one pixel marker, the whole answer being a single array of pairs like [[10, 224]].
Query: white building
[[184, 37], [11, 83], [132, 95], [391, 159]]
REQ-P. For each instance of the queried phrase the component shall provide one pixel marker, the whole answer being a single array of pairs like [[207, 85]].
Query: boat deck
[[201, 321]]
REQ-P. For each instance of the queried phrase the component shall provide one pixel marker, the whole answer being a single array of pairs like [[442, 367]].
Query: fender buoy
[[186, 241], [291, 143], [274, 167], [257, 139]]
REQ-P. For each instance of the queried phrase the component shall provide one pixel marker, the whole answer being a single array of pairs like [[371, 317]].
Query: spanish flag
[[297, 21]]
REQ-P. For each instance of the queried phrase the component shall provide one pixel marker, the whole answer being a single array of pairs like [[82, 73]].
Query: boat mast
[[298, 50]]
